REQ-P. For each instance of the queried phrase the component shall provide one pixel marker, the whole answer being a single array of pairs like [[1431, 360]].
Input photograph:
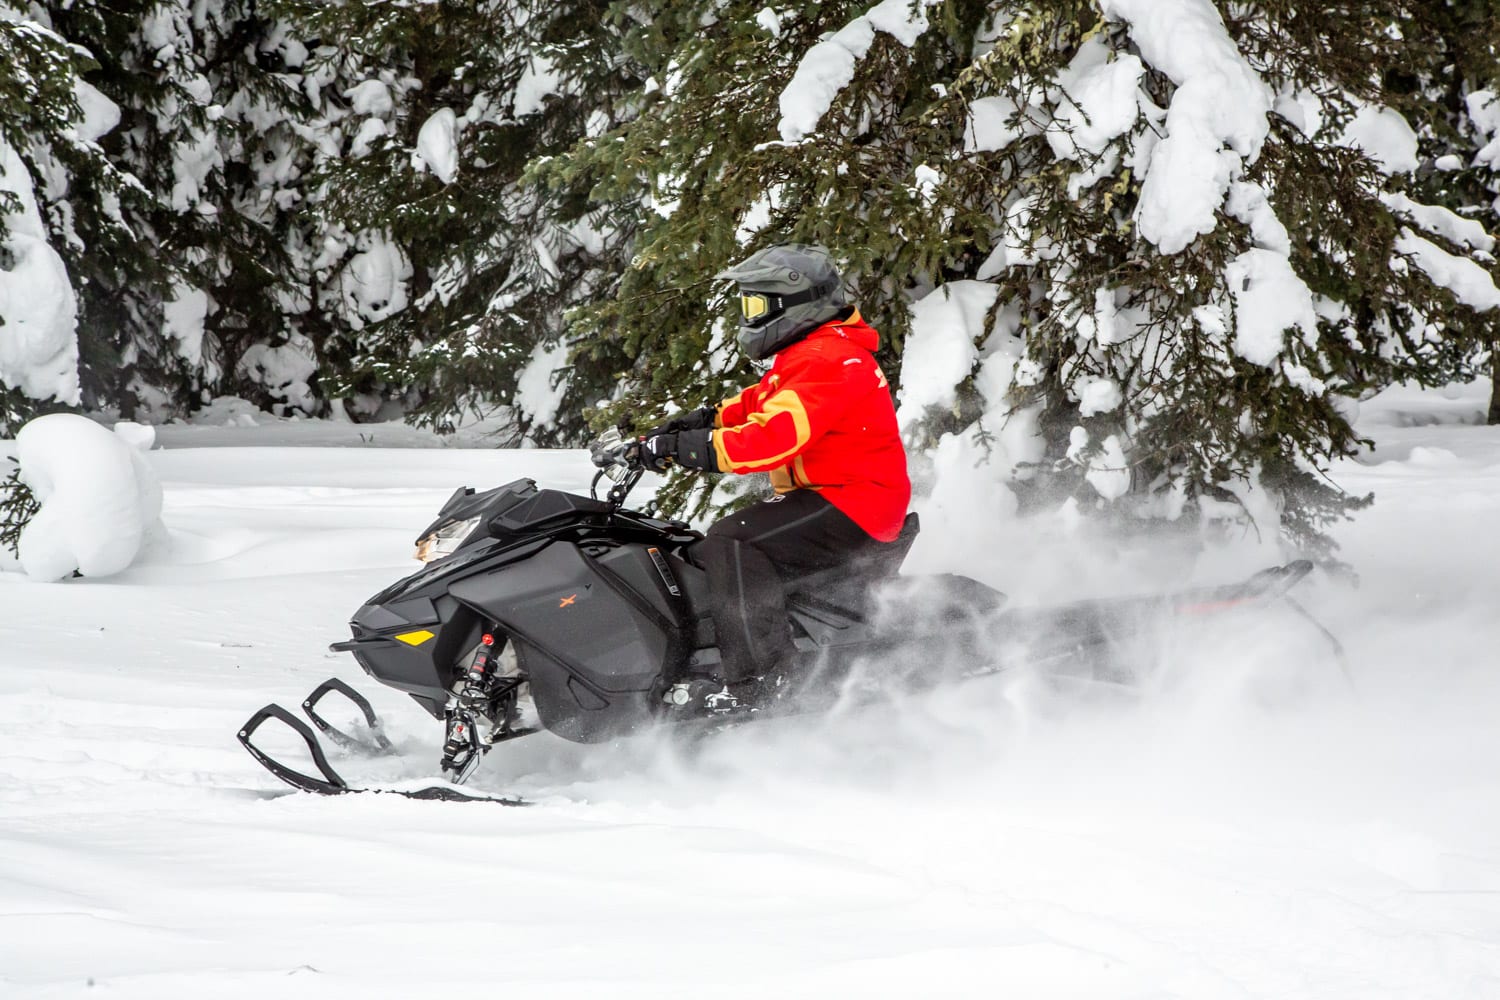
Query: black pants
[[751, 557]]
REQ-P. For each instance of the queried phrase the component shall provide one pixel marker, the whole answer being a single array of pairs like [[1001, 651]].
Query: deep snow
[[1201, 843]]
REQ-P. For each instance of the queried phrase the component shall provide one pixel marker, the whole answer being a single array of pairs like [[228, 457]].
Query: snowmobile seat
[[843, 589], [848, 587], [879, 563]]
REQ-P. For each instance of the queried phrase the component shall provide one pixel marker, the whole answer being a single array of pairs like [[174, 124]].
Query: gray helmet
[[786, 292]]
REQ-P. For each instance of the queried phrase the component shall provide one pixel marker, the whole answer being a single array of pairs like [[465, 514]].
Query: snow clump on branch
[[38, 310], [1220, 102], [829, 66]]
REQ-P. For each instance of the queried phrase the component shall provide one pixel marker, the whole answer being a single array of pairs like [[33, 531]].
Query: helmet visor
[[754, 306]]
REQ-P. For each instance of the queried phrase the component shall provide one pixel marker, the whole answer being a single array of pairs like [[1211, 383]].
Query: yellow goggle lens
[[753, 306]]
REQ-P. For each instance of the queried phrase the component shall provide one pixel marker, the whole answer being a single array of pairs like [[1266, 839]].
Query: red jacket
[[822, 419]]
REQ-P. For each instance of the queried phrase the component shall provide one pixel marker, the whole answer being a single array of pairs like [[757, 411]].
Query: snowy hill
[[1203, 842]]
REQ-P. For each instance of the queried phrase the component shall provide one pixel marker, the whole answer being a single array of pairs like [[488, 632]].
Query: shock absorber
[[479, 679], [463, 747]]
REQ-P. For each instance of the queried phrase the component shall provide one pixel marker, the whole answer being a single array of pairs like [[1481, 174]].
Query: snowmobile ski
[[331, 782]]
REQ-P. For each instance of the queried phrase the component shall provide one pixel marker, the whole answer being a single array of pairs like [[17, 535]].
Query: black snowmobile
[[538, 609]]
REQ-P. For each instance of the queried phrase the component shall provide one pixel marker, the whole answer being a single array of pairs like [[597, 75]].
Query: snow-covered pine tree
[[450, 274], [203, 299], [1454, 93], [1201, 255], [1144, 241], [58, 193]]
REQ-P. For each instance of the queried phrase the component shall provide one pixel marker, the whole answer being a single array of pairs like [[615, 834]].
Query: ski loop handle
[[377, 744], [333, 785]]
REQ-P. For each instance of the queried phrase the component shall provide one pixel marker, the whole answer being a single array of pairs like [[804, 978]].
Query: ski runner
[[822, 423]]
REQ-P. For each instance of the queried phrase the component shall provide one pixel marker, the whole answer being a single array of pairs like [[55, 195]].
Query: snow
[[437, 144], [100, 502], [1106, 469], [1470, 283], [1021, 246], [1108, 472], [1248, 203], [370, 97], [1207, 840], [193, 161], [989, 126], [284, 369], [1385, 137], [769, 21], [1268, 298], [1439, 220], [1099, 395], [1099, 102], [100, 114], [364, 139], [939, 353], [38, 335], [539, 81], [1484, 112], [827, 67], [536, 395], [929, 182], [373, 283], [758, 216], [183, 317], [1220, 102]]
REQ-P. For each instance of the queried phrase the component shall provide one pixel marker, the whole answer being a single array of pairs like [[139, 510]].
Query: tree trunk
[[1494, 417]]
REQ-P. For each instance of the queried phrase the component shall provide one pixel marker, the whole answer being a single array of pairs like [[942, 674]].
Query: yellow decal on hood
[[415, 638]]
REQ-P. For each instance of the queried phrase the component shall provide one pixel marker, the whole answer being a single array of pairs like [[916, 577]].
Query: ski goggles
[[761, 307], [754, 306]]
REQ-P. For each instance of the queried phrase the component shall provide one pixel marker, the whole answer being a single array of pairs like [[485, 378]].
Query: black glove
[[695, 450], [693, 420], [658, 452], [692, 449]]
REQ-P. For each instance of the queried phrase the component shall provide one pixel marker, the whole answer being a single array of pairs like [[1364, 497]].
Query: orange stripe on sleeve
[[772, 435]]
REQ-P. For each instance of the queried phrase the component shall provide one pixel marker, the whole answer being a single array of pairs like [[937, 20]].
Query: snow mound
[[100, 501]]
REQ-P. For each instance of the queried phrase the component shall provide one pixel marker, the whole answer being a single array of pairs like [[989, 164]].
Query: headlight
[[445, 541]]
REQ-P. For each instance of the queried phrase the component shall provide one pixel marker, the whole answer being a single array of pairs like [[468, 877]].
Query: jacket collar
[[852, 328]]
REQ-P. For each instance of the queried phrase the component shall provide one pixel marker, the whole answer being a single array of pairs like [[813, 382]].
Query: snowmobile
[[538, 610]]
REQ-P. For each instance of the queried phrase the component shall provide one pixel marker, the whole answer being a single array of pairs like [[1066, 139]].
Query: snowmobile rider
[[821, 422]]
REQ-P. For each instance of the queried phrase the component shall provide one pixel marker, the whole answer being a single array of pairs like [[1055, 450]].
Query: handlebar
[[611, 453]]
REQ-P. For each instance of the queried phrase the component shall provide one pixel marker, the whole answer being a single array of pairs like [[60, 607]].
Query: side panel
[[560, 602], [574, 710]]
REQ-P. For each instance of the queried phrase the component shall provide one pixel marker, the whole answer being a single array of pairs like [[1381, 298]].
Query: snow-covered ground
[[1201, 843]]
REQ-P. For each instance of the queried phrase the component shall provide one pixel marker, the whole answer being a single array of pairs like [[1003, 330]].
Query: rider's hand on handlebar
[[693, 420], [657, 452]]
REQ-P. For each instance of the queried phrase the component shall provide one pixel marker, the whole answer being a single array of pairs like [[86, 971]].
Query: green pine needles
[[17, 507]]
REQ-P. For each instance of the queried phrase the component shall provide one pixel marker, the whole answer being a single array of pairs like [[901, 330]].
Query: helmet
[[786, 292]]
